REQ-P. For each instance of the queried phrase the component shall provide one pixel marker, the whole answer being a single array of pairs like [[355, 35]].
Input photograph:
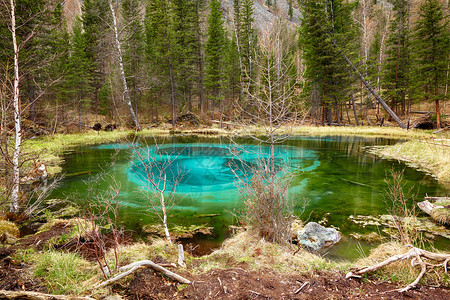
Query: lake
[[335, 174]]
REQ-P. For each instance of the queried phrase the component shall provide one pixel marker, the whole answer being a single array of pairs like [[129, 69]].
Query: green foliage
[[328, 78], [396, 68], [431, 52], [214, 48]]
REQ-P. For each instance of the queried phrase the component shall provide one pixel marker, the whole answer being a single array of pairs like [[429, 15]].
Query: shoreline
[[422, 150]]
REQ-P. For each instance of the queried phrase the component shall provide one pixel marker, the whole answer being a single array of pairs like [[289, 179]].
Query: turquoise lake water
[[337, 176]]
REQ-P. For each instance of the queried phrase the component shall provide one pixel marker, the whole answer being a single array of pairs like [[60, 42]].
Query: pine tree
[[161, 48], [431, 55], [95, 18], [329, 80], [186, 40], [79, 75], [396, 70], [133, 48], [214, 52], [247, 40]]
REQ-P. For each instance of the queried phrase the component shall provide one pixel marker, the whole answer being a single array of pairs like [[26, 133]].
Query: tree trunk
[[438, 117], [377, 97], [126, 92], [14, 204], [354, 112]]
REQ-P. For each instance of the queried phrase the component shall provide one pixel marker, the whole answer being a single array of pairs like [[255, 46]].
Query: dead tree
[[270, 104]]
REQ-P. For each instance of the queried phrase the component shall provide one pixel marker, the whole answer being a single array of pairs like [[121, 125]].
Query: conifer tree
[[214, 52], [396, 69], [133, 48], [431, 55], [329, 80], [79, 75], [161, 48], [248, 40], [186, 40]]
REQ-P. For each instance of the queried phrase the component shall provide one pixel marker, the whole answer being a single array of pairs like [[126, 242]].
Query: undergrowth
[[256, 253]]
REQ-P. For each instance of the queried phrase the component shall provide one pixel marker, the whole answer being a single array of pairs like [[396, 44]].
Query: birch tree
[[14, 203], [126, 92]]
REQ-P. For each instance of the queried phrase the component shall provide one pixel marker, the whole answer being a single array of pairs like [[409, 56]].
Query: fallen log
[[416, 255], [128, 269], [434, 199], [28, 295], [428, 207], [439, 213]]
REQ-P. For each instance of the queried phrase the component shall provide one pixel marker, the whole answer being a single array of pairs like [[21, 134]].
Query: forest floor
[[241, 281]]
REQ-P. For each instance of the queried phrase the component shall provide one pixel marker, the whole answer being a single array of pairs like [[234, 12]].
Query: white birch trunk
[[14, 204], [163, 208], [126, 92]]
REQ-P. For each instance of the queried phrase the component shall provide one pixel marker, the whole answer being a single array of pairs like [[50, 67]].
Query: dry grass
[[432, 156], [402, 271], [258, 254], [365, 131]]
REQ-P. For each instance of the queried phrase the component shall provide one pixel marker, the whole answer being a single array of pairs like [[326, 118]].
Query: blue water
[[337, 176]]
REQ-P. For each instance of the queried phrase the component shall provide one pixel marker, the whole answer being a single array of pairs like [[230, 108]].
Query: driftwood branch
[[434, 199], [416, 255], [428, 207], [28, 295], [128, 269]]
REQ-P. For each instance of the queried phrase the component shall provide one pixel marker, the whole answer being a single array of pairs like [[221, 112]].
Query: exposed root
[[416, 255], [128, 269]]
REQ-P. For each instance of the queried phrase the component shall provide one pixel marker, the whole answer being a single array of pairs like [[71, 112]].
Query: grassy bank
[[431, 156]]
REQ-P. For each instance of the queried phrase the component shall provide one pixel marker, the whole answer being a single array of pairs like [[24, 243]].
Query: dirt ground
[[238, 283], [233, 283]]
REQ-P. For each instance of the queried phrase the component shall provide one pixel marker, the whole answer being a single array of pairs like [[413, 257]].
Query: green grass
[[63, 272]]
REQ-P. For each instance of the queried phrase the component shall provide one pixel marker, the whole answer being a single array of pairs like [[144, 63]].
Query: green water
[[335, 173]]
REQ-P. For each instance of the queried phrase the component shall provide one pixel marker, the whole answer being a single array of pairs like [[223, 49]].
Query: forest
[[148, 62], [242, 125]]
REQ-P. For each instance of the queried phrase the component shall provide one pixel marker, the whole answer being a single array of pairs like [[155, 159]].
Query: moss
[[246, 247], [10, 228]]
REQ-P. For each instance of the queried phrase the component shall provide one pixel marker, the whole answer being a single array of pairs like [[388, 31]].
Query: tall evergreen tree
[[133, 48], [431, 55], [161, 48], [186, 39], [214, 52], [79, 77], [329, 80], [396, 70], [247, 40], [95, 18]]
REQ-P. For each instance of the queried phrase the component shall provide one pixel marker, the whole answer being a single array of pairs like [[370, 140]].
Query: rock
[[97, 127], [315, 237], [110, 127]]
